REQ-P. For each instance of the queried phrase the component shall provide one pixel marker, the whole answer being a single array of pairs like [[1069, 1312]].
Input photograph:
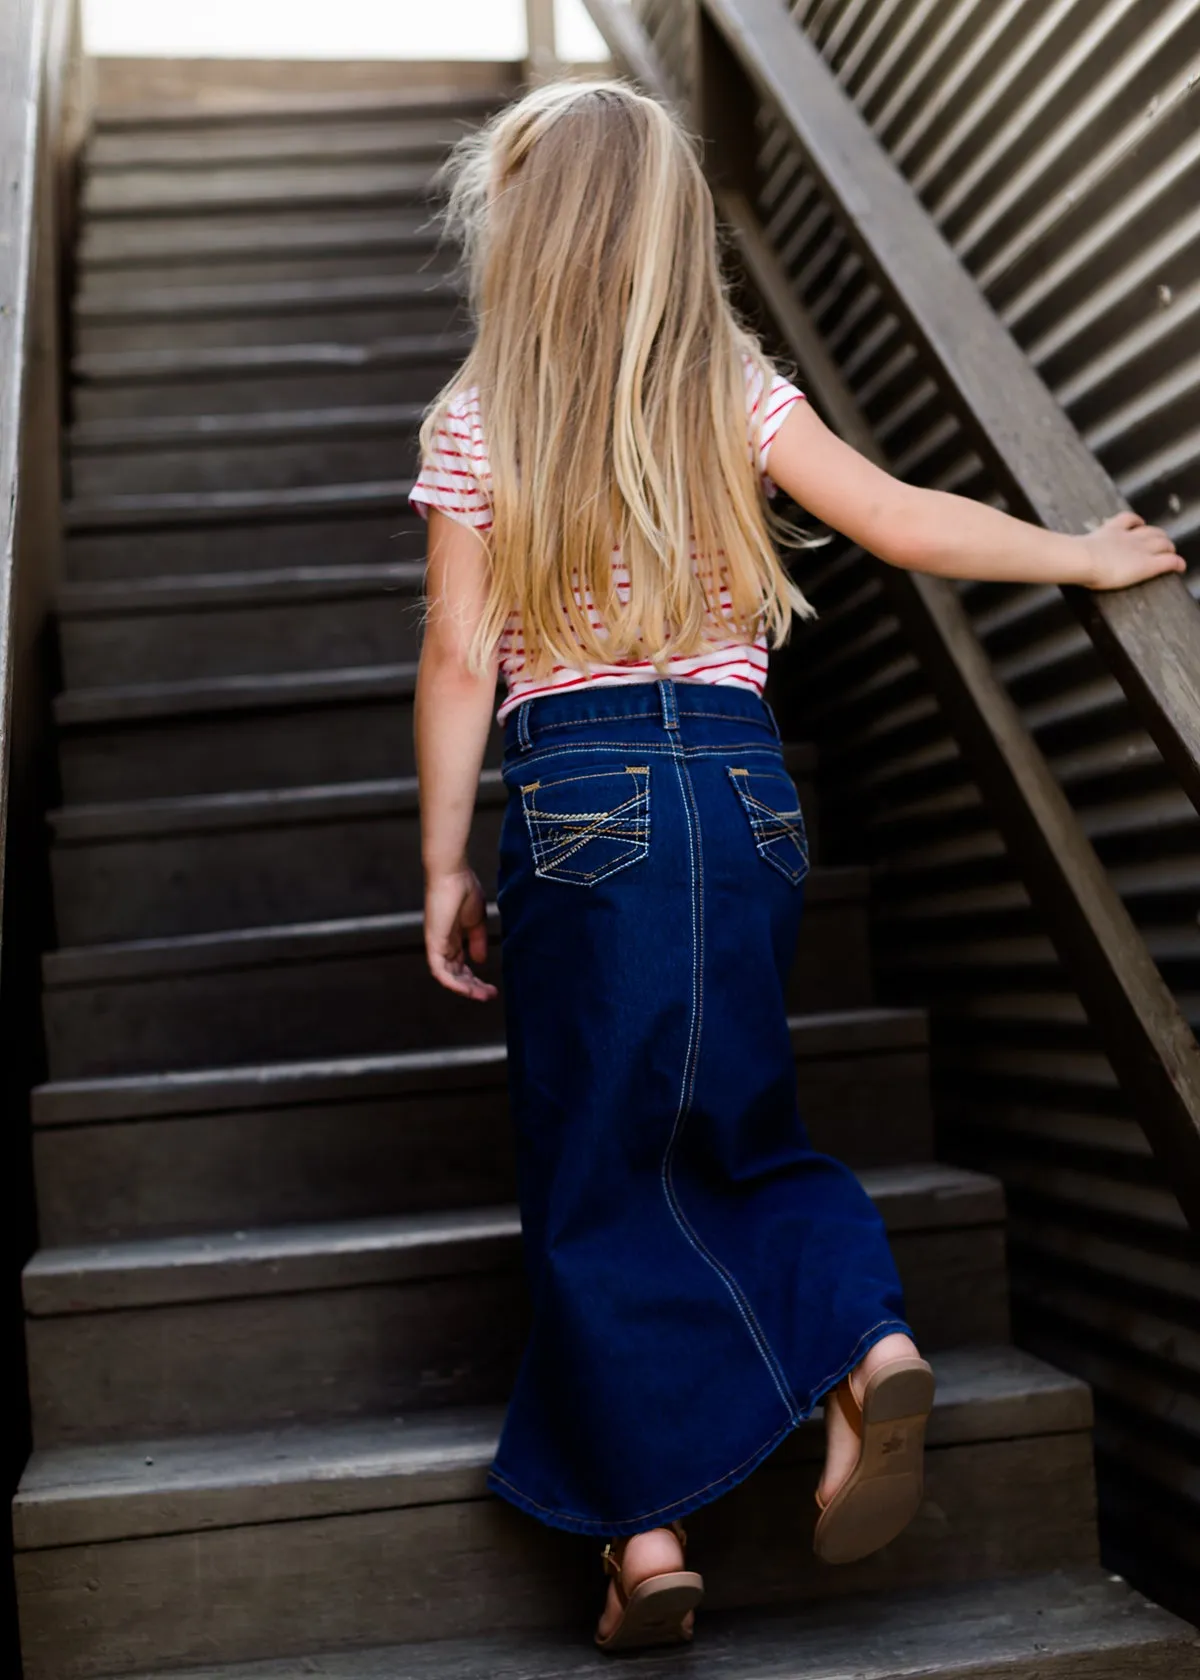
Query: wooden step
[[182, 627], [339, 988], [364, 1137], [267, 377], [111, 254], [376, 1527], [221, 734], [259, 114], [157, 867], [256, 190], [348, 138], [244, 451], [1056, 1626], [355, 310], [407, 1312], [148, 868]]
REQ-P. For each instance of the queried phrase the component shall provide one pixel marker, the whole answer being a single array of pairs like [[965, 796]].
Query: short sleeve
[[453, 476], [781, 398]]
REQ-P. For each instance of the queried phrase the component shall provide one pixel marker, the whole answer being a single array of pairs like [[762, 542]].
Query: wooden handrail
[[1149, 637], [1149, 1042]]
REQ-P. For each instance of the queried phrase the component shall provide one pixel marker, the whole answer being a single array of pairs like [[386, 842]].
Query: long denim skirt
[[700, 1277]]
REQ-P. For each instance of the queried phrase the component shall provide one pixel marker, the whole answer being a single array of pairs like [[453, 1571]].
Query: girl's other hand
[[456, 916], [1125, 550]]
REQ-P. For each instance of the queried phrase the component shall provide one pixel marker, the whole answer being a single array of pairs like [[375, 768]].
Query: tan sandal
[[883, 1492], [653, 1613]]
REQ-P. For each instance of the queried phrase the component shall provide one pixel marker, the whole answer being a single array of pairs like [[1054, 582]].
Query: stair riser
[[381, 1347], [152, 887], [331, 459], [350, 539], [262, 639], [105, 277], [361, 324], [1004, 1508], [262, 194], [236, 751], [258, 393], [317, 1162], [375, 1001]]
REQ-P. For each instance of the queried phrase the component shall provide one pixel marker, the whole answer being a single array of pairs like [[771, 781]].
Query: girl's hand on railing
[[1125, 550], [456, 917]]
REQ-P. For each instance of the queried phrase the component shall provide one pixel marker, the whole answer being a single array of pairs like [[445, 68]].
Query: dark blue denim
[[699, 1275]]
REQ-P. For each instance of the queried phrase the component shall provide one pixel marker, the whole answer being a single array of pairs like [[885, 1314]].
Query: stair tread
[[270, 807], [1023, 1628], [248, 298], [150, 191], [185, 591], [77, 1494], [414, 105], [298, 142], [133, 702], [138, 1272], [116, 367], [123, 245], [159, 432], [189, 813], [144, 1096], [224, 507], [191, 953]]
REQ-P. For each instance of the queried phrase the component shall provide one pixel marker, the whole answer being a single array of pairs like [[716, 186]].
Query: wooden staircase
[[278, 1301]]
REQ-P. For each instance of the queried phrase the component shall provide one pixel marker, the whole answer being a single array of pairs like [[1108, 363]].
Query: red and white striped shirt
[[456, 478]]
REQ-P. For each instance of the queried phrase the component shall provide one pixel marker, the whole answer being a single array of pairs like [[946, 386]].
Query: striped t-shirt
[[455, 478]]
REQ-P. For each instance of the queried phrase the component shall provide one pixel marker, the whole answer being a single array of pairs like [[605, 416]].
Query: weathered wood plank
[[151, 192], [397, 1139], [991, 1509], [151, 1486], [1068, 1625], [251, 995], [231, 624]]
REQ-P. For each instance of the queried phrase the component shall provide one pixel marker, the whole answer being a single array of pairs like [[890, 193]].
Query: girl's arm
[[952, 536], [453, 716]]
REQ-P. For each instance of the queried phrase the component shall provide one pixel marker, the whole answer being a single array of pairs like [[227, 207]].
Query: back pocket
[[770, 801], [586, 827]]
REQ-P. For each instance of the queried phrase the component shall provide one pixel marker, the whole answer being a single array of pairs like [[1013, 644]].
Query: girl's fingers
[[477, 942], [1126, 520]]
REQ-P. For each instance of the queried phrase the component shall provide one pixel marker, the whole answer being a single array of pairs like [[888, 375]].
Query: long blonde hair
[[611, 376]]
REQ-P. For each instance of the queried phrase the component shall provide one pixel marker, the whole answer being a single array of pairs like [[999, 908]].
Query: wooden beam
[[1147, 1039], [1149, 636]]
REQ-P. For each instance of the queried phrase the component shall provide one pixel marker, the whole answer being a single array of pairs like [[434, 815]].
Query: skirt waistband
[[663, 701]]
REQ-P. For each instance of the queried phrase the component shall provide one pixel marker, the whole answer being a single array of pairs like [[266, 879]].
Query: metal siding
[[1057, 145]]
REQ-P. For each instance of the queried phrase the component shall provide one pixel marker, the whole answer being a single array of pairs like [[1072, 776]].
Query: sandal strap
[[612, 1557]]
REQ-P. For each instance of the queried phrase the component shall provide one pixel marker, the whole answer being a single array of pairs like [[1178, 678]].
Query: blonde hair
[[611, 377]]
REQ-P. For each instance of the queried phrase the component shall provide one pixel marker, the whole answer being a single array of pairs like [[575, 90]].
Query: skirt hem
[[499, 1484]]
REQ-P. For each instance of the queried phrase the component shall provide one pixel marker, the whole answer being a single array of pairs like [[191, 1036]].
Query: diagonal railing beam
[[1148, 1041], [1149, 636]]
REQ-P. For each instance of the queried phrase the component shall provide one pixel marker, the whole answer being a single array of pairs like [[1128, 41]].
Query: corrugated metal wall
[[1057, 145]]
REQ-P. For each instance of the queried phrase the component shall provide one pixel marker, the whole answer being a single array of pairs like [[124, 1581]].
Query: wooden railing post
[[541, 36]]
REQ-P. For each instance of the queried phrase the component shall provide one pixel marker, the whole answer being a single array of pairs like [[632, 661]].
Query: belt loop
[[774, 722], [670, 703], [524, 736]]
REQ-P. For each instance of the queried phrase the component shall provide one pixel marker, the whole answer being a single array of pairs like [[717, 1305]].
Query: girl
[[596, 482]]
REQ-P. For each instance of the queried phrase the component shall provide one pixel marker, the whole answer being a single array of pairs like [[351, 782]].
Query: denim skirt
[[699, 1276]]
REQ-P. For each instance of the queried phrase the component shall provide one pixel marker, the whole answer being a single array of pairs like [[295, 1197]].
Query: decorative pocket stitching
[[775, 832], [557, 836]]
